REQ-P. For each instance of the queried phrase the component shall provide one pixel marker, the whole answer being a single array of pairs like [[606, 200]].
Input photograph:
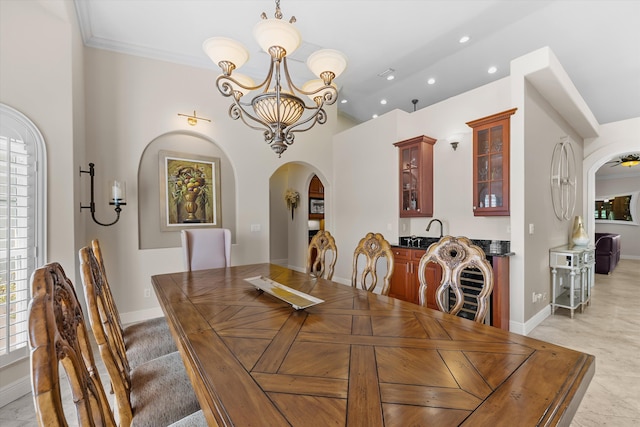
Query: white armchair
[[205, 248]]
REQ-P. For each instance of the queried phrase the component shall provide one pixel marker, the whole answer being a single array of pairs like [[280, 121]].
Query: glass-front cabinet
[[491, 164], [416, 176]]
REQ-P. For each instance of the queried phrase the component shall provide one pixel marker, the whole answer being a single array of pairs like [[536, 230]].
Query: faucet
[[438, 221]]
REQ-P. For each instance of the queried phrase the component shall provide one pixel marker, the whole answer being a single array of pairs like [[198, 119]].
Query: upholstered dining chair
[[372, 248], [205, 248], [322, 255], [58, 338], [455, 255], [157, 392], [142, 341]]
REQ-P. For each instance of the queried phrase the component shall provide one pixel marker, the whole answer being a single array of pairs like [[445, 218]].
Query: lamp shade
[[314, 85], [225, 49], [286, 110], [275, 32], [327, 60]]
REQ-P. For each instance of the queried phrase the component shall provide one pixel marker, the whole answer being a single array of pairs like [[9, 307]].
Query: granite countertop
[[424, 242]]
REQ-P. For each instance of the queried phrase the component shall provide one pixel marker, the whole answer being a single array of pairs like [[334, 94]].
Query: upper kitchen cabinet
[[416, 176], [491, 164]]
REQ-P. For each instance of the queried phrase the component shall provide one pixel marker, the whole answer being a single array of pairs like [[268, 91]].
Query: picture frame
[[189, 191], [316, 206]]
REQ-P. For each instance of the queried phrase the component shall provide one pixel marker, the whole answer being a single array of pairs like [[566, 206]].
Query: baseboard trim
[[15, 390], [529, 325], [137, 316], [635, 257]]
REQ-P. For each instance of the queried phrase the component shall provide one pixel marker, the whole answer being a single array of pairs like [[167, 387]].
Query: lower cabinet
[[405, 283]]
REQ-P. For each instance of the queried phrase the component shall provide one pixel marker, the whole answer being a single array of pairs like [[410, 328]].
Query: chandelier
[[278, 109]]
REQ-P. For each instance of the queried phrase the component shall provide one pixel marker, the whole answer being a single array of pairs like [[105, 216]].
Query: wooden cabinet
[[491, 164], [405, 282], [316, 198], [416, 176]]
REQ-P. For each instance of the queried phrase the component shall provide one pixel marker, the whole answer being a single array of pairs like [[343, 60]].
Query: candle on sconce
[[118, 193]]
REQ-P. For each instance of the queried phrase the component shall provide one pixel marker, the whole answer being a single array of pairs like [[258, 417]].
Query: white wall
[[130, 102], [38, 44], [544, 128]]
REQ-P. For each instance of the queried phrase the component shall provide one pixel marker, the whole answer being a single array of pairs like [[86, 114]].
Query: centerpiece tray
[[297, 299]]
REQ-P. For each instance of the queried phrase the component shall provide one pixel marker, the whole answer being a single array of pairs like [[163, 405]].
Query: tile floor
[[608, 329]]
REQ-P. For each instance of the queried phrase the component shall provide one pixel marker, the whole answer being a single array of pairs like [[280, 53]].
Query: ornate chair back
[[104, 327], [372, 247], [326, 255], [105, 304], [58, 337], [206, 248], [455, 254]]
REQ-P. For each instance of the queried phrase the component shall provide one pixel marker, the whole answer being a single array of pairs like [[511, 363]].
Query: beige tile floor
[[608, 329]]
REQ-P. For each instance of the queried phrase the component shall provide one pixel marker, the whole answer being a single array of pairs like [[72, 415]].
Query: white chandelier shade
[[327, 60], [221, 49], [275, 32], [278, 110]]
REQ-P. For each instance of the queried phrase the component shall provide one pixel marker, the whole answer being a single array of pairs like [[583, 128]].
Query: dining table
[[265, 345]]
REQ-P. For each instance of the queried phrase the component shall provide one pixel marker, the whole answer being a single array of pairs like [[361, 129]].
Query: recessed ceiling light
[[464, 39], [492, 70], [375, 116], [344, 101], [383, 101], [431, 81], [391, 77]]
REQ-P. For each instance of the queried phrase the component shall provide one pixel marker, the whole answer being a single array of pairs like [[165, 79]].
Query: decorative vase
[[190, 205], [579, 236]]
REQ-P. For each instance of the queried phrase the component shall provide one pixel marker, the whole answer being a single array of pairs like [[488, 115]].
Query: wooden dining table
[[357, 358]]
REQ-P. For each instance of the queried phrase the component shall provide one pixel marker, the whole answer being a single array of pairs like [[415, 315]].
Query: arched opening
[[152, 234], [290, 227]]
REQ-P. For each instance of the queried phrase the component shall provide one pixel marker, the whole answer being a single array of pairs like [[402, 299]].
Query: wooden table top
[[357, 359]]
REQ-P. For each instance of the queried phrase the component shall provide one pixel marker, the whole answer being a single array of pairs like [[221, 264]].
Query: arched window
[[22, 225]]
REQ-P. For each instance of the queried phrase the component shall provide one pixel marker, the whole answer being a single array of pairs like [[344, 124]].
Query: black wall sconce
[[118, 196]]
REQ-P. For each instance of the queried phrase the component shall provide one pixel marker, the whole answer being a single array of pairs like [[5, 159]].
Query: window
[[619, 209], [22, 222]]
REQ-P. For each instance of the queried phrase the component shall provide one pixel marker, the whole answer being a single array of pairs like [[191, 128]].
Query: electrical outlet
[[533, 298], [147, 293]]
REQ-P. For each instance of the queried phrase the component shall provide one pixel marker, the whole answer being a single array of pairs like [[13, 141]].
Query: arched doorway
[[290, 231]]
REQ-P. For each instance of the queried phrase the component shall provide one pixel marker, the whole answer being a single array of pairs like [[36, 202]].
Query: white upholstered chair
[[204, 248]]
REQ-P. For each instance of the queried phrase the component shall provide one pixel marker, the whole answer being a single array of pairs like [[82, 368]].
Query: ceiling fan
[[628, 160]]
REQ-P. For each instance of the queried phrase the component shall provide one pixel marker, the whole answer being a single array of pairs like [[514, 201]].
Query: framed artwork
[[316, 206], [189, 191]]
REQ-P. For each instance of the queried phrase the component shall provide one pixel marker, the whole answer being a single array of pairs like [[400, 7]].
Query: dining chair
[[456, 256], [372, 248], [58, 338], [155, 393], [141, 341], [205, 248], [322, 255]]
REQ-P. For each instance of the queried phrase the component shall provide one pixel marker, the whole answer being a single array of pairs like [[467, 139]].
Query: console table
[[572, 272]]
